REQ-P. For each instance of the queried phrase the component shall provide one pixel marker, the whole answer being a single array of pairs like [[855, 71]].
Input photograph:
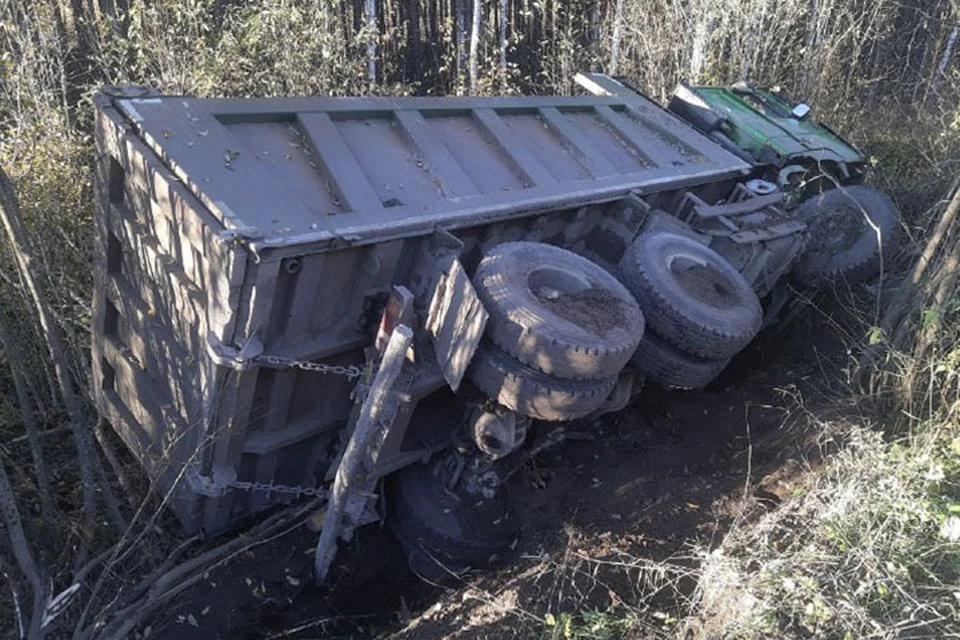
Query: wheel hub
[[702, 281]]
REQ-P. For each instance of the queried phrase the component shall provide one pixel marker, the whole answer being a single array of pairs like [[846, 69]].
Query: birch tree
[[475, 44], [460, 25], [810, 47], [947, 54], [617, 34], [370, 15]]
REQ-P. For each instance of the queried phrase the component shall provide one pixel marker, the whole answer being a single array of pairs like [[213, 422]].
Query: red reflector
[[398, 310]]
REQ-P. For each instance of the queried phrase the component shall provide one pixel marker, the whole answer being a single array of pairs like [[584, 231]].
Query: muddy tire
[[844, 244], [444, 534], [533, 393], [556, 311], [690, 295], [661, 362]]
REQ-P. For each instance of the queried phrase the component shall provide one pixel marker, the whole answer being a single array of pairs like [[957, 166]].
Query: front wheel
[[853, 232]]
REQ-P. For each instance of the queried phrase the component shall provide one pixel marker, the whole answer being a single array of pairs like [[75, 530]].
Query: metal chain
[[350, 371], [278, 488]]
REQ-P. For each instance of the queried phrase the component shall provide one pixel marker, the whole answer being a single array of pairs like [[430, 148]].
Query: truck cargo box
[[246, 248]]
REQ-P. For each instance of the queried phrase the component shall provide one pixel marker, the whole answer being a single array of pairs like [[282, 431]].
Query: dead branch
[[45, 432], [176, 580], [942, 284], [896, 320], [23, 255], [897, 311], [16, 359], [21, 550], [168, 564], [109, 497], [114, 461]]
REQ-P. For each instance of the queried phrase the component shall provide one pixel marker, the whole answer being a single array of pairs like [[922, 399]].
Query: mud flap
[[455, 323]]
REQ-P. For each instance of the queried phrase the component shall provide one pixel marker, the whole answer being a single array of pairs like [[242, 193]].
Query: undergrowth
[[871, 550]]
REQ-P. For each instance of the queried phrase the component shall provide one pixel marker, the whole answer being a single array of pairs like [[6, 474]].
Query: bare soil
[[596, 310], [708, 284], [595, 513]]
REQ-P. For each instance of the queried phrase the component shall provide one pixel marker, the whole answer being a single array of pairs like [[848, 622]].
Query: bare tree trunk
[[897, 310], [754, 32], [617, 34], [460, 25], [414, 49], [896, 320], [370, 15], [703, 28], [811, 46], [944, 283], [475, 43], [21, 550], [503, 40], [62, 44], [114, 461], [434, 40], [593, 35], [23, 256], [85, 27]]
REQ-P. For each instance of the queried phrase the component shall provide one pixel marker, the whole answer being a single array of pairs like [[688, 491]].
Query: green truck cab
[[854, 229], [777, 136]]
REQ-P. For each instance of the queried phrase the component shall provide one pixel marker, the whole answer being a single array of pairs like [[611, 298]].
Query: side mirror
[[800, 111]]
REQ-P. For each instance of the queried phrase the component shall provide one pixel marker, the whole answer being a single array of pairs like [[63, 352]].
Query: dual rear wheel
[[561, 329], [560, 332], [700, 310]]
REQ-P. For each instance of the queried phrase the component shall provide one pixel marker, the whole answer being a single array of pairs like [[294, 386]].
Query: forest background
[[885, 72]]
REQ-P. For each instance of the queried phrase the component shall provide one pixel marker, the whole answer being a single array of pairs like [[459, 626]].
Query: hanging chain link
[[269, 487], [350, 371], [217, 484]]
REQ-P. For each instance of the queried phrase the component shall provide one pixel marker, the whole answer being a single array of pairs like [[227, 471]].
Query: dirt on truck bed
[[598, 516]]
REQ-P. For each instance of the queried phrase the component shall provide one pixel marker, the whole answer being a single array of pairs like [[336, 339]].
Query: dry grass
[[584, 589], [871, 550]]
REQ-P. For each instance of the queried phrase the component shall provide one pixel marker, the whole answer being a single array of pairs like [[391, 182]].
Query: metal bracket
[[128, 91], [633, 210], [782, 230], [226, 356], [214, 485], [241, 234], [455, 323]]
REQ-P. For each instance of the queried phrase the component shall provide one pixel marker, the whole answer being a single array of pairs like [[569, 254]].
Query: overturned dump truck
[[369, 298]]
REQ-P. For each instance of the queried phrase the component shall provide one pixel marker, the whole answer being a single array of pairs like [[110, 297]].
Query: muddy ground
[[596, 516]]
